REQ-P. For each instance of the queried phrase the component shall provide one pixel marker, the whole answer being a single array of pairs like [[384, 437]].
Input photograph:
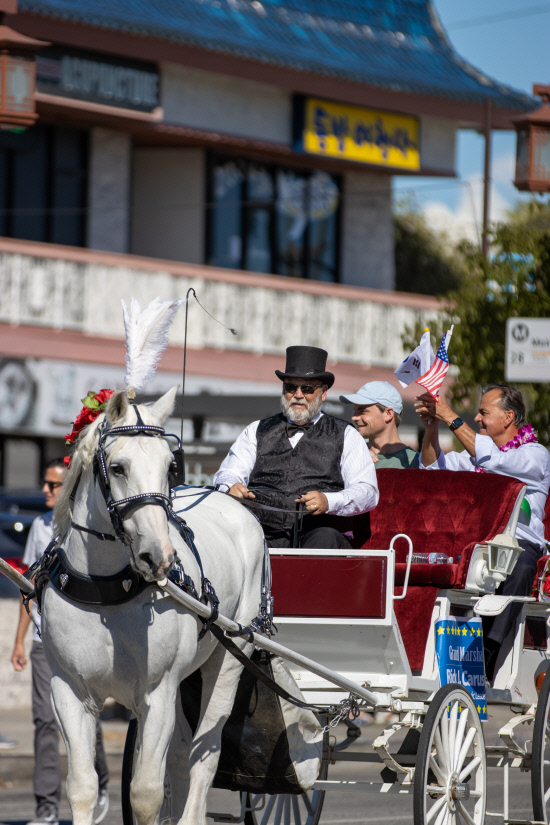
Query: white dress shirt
[[360, 492], [529, 463]]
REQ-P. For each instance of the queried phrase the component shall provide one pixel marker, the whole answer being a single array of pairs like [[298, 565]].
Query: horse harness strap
[[208, 594], [93, 590], [117, 589], [235, 651], [96, 533]]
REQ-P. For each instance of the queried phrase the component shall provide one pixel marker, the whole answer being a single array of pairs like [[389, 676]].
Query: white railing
[[81, 290]]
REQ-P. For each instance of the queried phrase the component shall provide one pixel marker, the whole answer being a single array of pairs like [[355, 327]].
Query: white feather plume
[[146, 338]]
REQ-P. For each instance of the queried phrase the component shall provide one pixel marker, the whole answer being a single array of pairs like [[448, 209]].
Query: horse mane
[[80, 461]]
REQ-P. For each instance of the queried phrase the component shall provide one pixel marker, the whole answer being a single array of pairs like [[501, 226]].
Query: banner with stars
[[459, 648]]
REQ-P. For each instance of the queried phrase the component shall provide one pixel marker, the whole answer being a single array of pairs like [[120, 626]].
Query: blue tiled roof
[[394, 44]]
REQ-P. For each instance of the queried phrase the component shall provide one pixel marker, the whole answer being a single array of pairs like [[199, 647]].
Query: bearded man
[[302, 457]]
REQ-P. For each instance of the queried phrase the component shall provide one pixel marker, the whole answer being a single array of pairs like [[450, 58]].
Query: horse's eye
[[117, 470], [172, 470]]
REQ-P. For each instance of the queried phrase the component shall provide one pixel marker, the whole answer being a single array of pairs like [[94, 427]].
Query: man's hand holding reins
[[316, 503], [240, 491]]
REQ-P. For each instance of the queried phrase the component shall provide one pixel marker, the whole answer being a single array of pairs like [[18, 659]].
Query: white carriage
[[363, 622], [369, 616]]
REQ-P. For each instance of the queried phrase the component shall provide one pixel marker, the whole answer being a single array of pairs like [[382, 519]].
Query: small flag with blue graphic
[[417, 363]]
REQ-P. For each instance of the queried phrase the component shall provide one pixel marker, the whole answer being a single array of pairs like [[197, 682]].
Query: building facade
[[242, 147]]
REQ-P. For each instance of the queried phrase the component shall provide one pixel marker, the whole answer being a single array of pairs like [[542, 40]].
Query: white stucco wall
[[168, 204], [438, 144], [109, 190], [367, 246], [206, 100]]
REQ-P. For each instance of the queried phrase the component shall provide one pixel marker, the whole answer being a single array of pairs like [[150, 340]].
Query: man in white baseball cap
[[377, 415]]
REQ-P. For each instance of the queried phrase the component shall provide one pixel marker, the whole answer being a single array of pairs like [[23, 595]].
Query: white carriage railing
[[72, 289]]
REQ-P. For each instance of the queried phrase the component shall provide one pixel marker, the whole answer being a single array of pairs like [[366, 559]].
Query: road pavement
[[350, 808]]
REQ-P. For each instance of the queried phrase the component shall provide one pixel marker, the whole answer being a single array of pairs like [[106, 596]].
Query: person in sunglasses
[[303, 466], [47, 770]]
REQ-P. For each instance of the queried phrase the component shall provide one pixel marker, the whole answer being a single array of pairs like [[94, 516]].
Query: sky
[[508, 40]]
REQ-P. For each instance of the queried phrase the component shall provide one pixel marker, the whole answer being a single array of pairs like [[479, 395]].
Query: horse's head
[[138, 465]]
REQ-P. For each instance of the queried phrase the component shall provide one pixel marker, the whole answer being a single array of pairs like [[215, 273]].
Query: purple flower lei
[[526, 435]]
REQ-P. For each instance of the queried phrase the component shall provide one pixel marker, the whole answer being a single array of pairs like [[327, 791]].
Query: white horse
[[138, 652]]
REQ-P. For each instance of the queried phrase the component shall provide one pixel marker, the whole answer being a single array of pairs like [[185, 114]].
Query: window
[[43, 175], [266, 218]]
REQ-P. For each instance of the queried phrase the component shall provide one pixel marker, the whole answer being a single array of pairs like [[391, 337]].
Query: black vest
[[314, 464]]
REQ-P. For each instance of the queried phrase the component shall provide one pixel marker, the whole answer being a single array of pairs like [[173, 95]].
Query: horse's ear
[[162, 408], [117, 406]]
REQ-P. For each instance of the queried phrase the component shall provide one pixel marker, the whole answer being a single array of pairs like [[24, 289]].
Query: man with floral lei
[[506, 445]]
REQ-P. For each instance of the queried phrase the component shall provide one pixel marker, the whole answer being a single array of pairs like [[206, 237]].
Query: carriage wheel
[[127, 773], [287, 809], [540, 764], [450, 775]]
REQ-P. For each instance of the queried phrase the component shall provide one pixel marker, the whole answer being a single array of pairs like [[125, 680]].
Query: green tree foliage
[[533, 214], [422, 261], [515, 282]]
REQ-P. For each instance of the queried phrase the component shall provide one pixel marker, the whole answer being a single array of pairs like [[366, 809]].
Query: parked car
[[18, 509]]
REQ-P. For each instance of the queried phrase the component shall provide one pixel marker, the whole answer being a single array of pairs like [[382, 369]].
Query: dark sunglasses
[[52, 485], [307, 389]]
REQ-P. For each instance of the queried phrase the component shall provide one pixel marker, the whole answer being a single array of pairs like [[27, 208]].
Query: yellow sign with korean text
[[361, 135]]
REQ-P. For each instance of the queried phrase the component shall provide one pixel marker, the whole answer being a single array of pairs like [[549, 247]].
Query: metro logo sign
[[528, 349]]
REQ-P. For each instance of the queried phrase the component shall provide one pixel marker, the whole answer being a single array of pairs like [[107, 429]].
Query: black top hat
[[306, 362]]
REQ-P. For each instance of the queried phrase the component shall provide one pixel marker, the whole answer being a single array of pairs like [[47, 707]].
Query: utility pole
[[486, 176]]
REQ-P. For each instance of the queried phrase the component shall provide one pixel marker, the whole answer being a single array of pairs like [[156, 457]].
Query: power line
[[497, 18]]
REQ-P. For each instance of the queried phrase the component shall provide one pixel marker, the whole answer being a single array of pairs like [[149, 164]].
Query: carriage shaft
[[268, 644], [16, 577]]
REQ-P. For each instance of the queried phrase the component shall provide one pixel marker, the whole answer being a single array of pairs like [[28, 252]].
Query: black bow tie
[[292, 429]]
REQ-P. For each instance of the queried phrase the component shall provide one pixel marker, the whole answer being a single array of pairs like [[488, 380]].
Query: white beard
[[307, 412]]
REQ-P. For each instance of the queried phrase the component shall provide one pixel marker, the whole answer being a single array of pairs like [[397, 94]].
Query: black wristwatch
[[454, 425]]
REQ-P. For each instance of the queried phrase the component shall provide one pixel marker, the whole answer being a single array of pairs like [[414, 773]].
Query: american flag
[[433, 379]]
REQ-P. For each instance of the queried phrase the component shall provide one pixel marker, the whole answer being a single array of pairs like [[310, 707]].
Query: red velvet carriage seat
[[442, 512]]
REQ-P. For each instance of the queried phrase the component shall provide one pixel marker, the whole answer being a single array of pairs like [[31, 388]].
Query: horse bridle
[[119, 509]]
